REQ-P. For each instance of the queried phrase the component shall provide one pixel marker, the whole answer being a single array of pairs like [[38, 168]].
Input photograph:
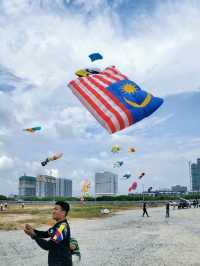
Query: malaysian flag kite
[[114, 100]]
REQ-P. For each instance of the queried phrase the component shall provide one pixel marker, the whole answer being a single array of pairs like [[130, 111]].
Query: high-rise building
[[106, 183], [45, 186], [63, 187], [195, 174], [179, 188], [27, 185]]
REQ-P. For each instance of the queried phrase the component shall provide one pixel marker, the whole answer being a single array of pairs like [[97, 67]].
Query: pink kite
[[133, 186]]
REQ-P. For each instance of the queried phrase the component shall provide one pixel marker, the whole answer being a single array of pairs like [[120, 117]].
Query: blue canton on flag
[[138, 102]]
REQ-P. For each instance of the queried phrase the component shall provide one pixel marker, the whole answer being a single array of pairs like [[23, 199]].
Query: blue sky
[[155, 43]]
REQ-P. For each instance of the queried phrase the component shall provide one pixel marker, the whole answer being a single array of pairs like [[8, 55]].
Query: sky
[[155, 43]]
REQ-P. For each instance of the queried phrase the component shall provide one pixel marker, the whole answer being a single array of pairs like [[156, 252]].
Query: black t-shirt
[[57, 245]]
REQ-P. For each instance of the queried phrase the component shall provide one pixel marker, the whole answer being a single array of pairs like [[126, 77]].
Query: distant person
[[6, 205], [145, 209], [194, 203], [1, 207], [22, 205], [58, 244], [197, 203], [167, 210]]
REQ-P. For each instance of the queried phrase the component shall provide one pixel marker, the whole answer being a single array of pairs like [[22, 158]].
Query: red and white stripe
[[103, 105]]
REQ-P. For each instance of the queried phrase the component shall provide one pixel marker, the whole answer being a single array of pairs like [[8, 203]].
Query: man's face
[[58, 213]]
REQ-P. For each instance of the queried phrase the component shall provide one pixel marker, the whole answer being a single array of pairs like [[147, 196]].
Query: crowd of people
[[182, 204], [4, 206]]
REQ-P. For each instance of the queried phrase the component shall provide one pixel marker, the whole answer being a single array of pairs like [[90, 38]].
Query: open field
[[123, 239], [15, 217]]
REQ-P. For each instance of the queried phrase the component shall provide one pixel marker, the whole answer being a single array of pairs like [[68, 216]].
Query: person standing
[[58, 244], [167, 210], [145, 210]]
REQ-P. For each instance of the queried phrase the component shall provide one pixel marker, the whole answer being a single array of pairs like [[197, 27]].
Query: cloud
[[53, 172], [6, 163], [73, 121], [47, 50]]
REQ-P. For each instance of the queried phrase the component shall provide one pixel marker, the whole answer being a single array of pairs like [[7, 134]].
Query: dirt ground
[[125, 239]]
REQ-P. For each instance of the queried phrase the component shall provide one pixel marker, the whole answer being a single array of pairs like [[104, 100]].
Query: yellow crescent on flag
[[143, 104]]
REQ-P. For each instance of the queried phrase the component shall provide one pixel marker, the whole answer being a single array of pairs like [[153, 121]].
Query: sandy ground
[[125, 239]]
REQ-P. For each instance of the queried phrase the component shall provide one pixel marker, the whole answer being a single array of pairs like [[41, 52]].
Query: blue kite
[[127, 176], [95, 56], [118, 164]]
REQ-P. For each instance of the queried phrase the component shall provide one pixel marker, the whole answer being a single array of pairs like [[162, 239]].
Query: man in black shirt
[[58, 244]]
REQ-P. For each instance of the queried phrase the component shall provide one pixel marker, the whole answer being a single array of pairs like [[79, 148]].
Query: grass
[[37, 215]]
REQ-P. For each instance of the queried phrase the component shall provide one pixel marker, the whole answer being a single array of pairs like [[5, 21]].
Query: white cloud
[[73, 121], [53, 172], [6, 163], [90, 5], [48, 49]]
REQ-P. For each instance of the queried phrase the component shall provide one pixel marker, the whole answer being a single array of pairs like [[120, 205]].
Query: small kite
[[115, 149], [118, 164], [127, 176], [133, 186], [52, 158], [32, 129], [85, 188], [113, 99], [149, 189], [95, 56], [141, 176], [87, 72], [82, 73], [130, 150]]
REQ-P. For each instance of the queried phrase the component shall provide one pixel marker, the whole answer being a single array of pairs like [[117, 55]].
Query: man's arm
[[29, 230], [42, 234], [45, 244], [56, 238]]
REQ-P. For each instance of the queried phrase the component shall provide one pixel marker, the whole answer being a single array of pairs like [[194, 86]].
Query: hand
[[28, 227], [72, 247], [29, 230]]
